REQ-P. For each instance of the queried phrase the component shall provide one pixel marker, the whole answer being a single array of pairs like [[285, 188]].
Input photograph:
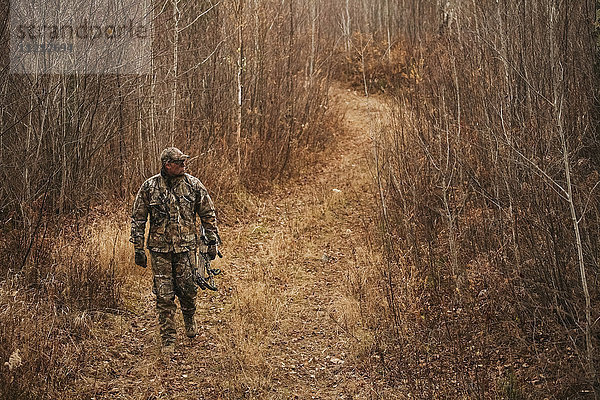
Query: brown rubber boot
[[190, 326]]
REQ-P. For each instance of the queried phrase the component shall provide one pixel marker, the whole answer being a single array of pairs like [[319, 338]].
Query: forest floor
[[286, 321]]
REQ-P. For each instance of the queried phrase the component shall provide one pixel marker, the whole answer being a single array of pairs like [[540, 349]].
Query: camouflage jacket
[[172, 203]]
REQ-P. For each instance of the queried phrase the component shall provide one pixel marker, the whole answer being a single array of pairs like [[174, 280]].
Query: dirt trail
[[285, 324]]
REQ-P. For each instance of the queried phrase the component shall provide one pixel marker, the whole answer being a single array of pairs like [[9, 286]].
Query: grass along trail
[[286, 322]]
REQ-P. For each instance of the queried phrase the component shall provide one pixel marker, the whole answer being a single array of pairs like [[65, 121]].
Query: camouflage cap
[[172, 154]]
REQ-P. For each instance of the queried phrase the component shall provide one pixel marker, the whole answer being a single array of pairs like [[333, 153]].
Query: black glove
[[140, 258], [212, 251]]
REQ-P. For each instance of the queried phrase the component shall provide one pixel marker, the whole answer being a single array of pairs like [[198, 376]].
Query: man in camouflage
[[173, 199]]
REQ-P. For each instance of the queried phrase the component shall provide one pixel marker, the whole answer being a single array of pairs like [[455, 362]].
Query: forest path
[[286, 322]]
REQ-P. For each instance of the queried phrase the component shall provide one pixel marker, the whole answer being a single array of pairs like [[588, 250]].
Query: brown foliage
[[482, 282], [50, 302], [383, 68]]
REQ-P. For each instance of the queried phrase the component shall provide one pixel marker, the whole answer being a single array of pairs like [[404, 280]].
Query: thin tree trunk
[[140, 130], [313, 21], [597, 27], [176, 17], [240, 84], [558, 75], [582, 273], [153, 142], [63, 181], [389, 35], [347, 31]]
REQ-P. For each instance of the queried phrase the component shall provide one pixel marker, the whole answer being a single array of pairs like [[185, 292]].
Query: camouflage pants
[[173, 275]]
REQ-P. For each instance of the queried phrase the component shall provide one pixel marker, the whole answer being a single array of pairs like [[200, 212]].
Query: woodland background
[[485, 176]]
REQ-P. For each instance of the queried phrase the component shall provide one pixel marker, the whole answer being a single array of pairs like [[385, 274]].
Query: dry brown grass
[[50, 306]]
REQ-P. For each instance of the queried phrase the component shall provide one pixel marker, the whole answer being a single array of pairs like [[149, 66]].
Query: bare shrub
[[72, 276], [374, 66], [488, 177]]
